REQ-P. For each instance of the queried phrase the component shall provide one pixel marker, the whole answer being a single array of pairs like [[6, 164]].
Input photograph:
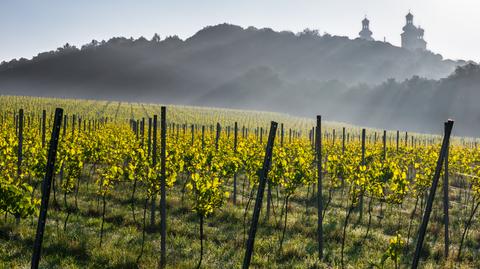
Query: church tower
[[366, 33], [412, 36]]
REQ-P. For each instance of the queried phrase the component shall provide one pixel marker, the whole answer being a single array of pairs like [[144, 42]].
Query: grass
[[78, 246]]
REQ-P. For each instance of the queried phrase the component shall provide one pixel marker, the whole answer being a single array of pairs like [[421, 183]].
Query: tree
[[156, 38]]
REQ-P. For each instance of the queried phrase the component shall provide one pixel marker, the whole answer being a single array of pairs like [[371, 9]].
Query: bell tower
[[412, 36], [365, 33]]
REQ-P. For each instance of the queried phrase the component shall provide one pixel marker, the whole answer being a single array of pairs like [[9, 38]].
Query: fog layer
[[369, 83]]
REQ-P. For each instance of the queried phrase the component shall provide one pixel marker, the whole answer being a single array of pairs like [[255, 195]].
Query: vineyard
[[146, 186]]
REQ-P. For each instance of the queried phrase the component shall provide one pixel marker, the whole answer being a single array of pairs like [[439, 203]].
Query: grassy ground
[[78, 245]]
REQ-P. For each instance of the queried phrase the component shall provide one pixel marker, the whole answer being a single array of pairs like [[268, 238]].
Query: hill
[[229, 66]]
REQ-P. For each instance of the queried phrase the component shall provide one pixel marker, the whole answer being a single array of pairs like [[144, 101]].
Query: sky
[[28, 27]]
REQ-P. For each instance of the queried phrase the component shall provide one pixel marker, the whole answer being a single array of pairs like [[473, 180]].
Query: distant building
[[366, 33], [412, 36]]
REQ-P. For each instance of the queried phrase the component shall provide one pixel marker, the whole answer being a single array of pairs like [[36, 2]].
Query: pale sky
[[28, 27]]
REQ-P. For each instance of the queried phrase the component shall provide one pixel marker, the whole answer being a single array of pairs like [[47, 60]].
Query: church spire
[[409, 17], [412, 36], [365, 33]]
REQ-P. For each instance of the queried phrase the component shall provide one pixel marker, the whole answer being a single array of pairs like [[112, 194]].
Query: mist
[[369, 83]]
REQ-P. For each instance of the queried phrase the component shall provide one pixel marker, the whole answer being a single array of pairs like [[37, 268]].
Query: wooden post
[[258, 201], [20, 143], [235, 137], [318, 140], [20, 151], [384, 144], [142, 131], [163, 183], [310, 133], [217, 135], [46, 185], [261, 135], [44, 119], [333, 137], [149, 139], [312, 137], [192, 129], [137, 129], [73, 126], [343, 140], [203, 137], [269, 184], [445, 197], [398, 138], [65, 123], [431, 195], [15, 116], [281, 134], [154, 163], [363, 163]]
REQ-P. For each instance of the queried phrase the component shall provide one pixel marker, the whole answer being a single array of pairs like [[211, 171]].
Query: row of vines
[[213, 165]]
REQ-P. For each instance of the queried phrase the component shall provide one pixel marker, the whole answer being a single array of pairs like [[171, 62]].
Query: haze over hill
[[228, 66]]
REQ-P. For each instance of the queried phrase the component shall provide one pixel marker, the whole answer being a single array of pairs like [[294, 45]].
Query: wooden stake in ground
[[217, 135], [20, 151], [398, 138], [258, 202], [384, 144], [163, 197], [52, 155], [360, 203], [44, 119], [318, 141], [154, 163], [431, 195], [235, 138], [445, 198]]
